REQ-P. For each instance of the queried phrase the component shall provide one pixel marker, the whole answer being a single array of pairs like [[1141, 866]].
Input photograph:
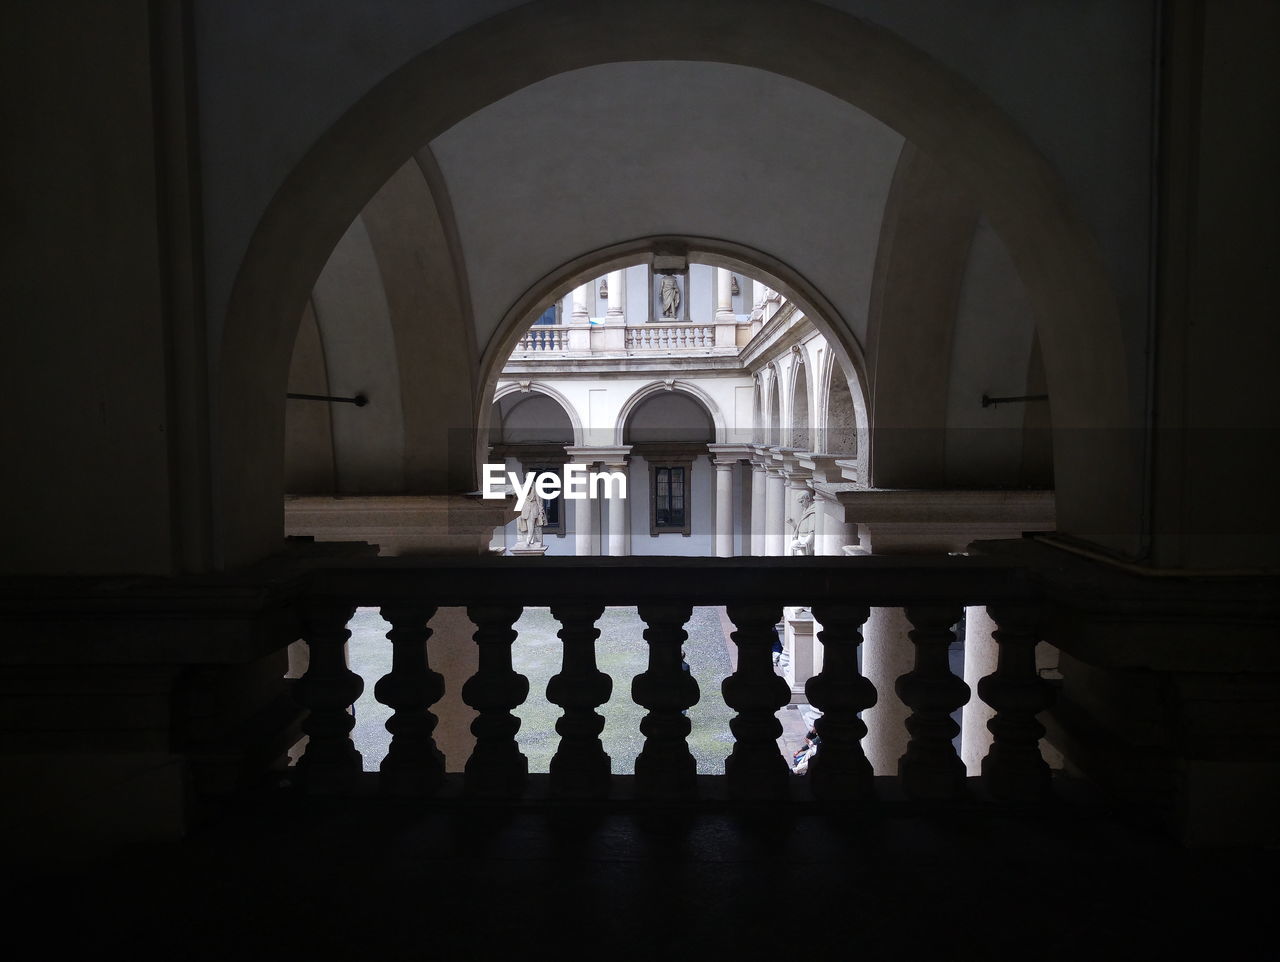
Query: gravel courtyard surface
[[621, 652]]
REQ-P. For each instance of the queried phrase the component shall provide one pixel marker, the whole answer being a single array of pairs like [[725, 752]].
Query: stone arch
[[841, 426], [800, 420], [535, 387], [688, 388], [780, 276], [757, 412], [868, 67], [773, 429]]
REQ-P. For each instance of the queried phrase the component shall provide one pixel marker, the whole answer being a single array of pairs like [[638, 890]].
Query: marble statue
[[670, 297], [803, 530], [530, 523]]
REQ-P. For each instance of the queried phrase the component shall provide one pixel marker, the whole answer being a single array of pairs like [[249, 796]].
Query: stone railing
[[840, 593], [138, 702], [670, 337], [544, 337]]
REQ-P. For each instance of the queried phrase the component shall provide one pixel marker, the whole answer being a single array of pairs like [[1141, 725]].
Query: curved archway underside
[[849, 62]]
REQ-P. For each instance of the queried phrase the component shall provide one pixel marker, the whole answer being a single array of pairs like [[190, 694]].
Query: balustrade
[[414, 765], [544, 337], [754, 591], [841, 769], [580, 767], [1014, 769], [547, 338], [755, 768], [665, 768], [496, 766], [670, 337], [330, 762]]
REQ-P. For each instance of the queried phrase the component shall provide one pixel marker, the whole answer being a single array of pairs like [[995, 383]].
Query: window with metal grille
[[669, 505]]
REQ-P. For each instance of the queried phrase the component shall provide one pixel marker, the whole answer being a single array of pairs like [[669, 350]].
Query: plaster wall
[[659, 165], [308, 453], [360, 350], [990, 354], [83, 340], [1074, 75]]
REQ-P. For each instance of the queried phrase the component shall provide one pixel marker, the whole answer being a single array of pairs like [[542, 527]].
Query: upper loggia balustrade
[[933, 590]]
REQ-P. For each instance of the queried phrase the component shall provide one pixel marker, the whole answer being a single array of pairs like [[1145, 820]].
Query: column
[[615, 282], [835, 533], [724, 507], [619, 545], [578, 312], [980, 655], [584, 523], [578, 317], [775, 497], [724, 295], [758, 525], [726, 320]]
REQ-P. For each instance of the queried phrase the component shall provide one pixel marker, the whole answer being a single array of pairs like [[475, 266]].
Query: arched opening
[[528, 433], [757, 413], [530, 419], [1014, 186], [774, 433], [839, 434], [672, 480], [801, 437]]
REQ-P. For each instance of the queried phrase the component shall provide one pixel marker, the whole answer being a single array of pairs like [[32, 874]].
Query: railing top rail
[[878, 581]]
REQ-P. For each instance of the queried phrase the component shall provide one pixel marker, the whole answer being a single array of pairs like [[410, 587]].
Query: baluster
[[496, 766], [1014, 769], [930, 768], [580, 767], [330, 763], [414, 765], [840, 769], [665, 768], [755, 768]]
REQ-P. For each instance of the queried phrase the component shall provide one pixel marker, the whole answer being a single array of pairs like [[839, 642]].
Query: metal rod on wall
[[359, 400], [988, 401]]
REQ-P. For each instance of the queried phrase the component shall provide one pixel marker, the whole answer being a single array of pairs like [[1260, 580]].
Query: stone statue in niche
[[803, 530], [533, 516], [670, 297]]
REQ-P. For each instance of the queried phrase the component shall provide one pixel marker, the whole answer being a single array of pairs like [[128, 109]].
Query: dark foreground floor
[[367, 879]]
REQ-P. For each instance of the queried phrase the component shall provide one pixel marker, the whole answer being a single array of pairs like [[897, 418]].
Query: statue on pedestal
[[530, 523], [803, 530], [670, 297]]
